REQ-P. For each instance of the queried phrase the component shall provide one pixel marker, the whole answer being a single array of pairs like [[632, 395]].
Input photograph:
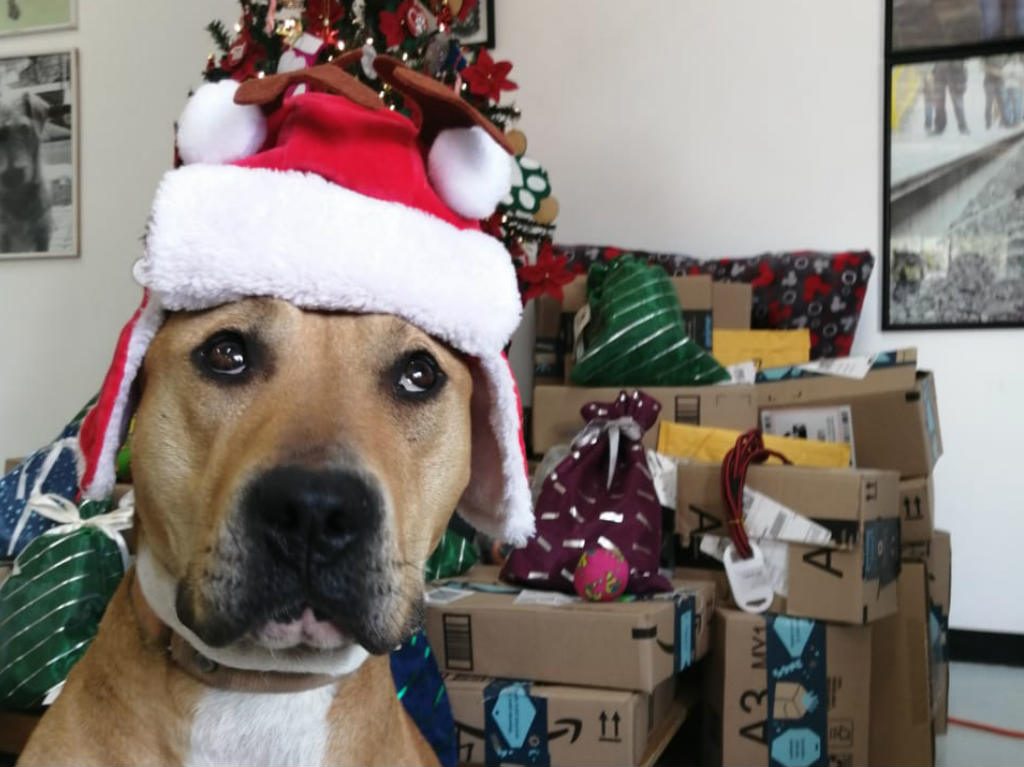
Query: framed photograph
[[955, 190], [478, 26], [924, 24], [23, 16], [39, 156]]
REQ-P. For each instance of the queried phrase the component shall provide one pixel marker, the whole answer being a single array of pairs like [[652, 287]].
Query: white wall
[[59, 319], [733, 127], [713, 128]]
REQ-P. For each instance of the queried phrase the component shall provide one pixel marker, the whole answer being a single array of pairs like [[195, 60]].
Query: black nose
[[299, 511]]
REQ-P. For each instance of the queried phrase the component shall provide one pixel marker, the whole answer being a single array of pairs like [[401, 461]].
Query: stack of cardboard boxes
[[544, 678], [849, 666]]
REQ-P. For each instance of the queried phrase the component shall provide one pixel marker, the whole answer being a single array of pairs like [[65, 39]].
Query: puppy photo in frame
[[38, 156]]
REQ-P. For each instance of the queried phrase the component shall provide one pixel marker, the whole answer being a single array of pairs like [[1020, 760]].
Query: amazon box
[[937, 557], [897, 430], [557, 419], [478, 625], [517, 722], [902, 732], [787, 691], [850, 580], [706, 305], [916, 510], [789, 386]]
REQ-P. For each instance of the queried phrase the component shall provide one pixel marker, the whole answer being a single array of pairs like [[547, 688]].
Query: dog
[[312, 403], [286, 520], [25, 217]]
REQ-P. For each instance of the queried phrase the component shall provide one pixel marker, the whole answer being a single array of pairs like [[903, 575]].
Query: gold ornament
[[547, 212], [288, 20], [518, 141]]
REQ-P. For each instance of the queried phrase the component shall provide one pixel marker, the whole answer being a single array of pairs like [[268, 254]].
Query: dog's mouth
[[300, 626]]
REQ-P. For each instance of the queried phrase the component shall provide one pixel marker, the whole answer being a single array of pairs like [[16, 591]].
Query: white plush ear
[[470, 171], [213, 129]]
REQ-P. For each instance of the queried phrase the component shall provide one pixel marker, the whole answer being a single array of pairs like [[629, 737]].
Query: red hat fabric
[[332, 205]]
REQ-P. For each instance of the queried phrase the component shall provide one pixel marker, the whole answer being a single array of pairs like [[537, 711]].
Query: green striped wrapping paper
[[636, 335], [50, 609], [453, 556]]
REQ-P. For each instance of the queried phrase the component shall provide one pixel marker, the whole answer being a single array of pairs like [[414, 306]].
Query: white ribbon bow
[[616, 428], [69, 518]]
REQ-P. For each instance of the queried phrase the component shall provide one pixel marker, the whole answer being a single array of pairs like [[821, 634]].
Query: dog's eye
[[418, 374], [225, 354]]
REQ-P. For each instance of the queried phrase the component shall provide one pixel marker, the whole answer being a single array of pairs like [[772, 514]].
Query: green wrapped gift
[[635, 334], [52, 603], [453, 556]]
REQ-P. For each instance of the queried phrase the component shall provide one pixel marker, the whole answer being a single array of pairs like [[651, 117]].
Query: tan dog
[[295, 465], [294, 471]]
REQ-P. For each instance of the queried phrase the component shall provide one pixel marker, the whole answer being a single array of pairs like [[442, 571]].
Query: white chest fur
[[272, 729]]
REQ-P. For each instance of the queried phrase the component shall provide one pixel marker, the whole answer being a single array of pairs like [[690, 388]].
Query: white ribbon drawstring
[[52, 455], [626, 426], [69, 518]]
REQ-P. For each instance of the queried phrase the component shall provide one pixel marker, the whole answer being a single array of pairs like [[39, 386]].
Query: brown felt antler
[[323, 77], [436, 106]]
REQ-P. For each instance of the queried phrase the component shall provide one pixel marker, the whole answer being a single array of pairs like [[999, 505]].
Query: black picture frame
[[479, 28], [895, 313]]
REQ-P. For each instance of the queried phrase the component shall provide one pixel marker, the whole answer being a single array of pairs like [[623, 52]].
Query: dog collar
[[208, 672]]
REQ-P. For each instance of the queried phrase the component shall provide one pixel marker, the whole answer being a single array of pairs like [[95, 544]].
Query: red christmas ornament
[[409, 19], [487, 77]]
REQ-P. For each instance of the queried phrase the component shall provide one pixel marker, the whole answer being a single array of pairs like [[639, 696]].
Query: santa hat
[[332, 201]]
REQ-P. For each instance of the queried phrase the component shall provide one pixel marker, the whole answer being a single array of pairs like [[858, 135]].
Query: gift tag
[[842, 367], [749, 579]]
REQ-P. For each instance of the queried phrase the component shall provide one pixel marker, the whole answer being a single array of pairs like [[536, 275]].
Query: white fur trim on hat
[[469, 170], [220, 233], [497, 501], [214, 129]]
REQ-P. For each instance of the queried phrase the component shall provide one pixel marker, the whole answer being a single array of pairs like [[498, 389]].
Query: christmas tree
[[285, 35]]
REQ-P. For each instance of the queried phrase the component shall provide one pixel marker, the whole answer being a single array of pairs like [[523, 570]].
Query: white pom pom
[[213, 129], [469, 170]]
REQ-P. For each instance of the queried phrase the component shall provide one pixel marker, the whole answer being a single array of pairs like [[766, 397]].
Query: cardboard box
[[896, 430], [620, 645], [852, 580], [902, 734], [782, 690], [706, 305], [515, 722], [890, 372], [557, 419], [937, 554], [916, 509]]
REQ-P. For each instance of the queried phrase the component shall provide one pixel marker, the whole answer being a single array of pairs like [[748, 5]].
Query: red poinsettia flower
[[392, 28], [547, 276], [487, 77]]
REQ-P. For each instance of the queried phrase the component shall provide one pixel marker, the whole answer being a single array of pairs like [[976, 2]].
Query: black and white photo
[[38, 156], [478, 26], [955, 244], [918, 24]]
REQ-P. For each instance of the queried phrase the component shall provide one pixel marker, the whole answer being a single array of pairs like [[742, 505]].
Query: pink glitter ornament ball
[[601, 575]]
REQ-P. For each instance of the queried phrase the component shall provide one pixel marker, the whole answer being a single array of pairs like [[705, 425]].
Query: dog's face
[[293, 471], [21, 122]]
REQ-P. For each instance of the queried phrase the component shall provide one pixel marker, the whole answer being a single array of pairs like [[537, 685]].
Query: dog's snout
[[326, 510]]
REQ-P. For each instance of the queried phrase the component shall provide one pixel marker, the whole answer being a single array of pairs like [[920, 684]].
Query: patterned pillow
[[823, 292]]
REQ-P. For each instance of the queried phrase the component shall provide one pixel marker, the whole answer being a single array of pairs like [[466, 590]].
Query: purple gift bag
[[601, 494]]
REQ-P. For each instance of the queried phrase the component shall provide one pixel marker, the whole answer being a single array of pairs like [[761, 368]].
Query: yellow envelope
[[702, 443], [766, 348]]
